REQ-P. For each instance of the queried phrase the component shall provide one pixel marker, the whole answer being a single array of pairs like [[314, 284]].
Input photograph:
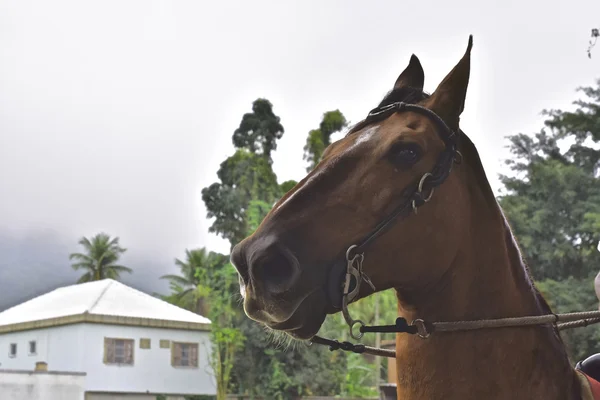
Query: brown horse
[[456, 259]]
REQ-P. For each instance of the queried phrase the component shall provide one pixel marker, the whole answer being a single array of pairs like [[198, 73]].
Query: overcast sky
[[115, 114]]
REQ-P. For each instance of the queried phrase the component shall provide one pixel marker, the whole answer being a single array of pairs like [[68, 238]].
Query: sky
[[115, 114]]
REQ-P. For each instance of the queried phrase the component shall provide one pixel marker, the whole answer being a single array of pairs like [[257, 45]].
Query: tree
[[259, 130], [100, 258], [206, 286], [247, 175], [318, 139], [185, 287], [572, 295], [218, 282], [245, 193], [552, 201]]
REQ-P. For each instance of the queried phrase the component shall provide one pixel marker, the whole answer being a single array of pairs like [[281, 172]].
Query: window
[[164, 344], [118, 351], [32, 348], [12, 352], [184, 355], [144, 343]]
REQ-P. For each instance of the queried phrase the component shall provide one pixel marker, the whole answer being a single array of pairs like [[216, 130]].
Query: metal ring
[[420, 191], [356, 321], [422, 182], [421, 328]]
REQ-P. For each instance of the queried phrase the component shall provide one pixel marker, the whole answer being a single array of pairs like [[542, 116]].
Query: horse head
[[363, 196]]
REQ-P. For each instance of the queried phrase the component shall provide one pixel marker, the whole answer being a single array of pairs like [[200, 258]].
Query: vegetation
[[318, 139], [552, 200], [100, 258]]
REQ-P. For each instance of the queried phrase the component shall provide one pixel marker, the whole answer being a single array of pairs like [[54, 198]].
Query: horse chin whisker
[[281, 340]]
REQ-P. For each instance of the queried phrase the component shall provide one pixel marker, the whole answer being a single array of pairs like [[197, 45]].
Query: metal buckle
[[353, 269]]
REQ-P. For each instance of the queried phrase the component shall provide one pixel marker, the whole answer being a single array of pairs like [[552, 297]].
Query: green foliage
[[572, 295], [287, 186], [187, 289], [244, 177], [553, 197], [256, 212], [205, 286], [244, 195], [259, 130], [552, 201], [319, 139], [359, 378], [218, 282], [100, 258]]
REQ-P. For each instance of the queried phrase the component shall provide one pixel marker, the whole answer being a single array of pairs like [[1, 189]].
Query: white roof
[[106, 297]]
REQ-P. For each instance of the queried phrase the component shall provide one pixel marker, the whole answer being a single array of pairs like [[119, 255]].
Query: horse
[[403, 201]]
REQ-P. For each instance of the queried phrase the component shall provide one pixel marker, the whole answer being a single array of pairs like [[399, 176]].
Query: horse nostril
[[276, 269], [238, 260]]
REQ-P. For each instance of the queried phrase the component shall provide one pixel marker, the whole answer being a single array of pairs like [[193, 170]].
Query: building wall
[[80, 348], [58, 346], [24, 385], [151, 371]]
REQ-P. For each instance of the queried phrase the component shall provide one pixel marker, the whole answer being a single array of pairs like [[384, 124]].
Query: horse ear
[[448, 100], [412, 75]]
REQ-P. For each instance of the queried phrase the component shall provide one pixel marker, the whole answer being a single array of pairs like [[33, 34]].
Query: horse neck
[[487, 279]]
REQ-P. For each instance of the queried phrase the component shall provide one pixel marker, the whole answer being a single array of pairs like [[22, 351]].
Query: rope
[[569, 321], [578, 324], [518, 321]]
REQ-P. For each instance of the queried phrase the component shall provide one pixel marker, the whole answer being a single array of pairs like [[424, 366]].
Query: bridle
[[346, 276], [415, 195]]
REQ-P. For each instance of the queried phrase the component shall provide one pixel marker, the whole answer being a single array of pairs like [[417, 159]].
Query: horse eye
[[405, 154]]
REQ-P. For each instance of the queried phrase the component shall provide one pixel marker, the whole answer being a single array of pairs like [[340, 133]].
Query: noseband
[[345, 277]]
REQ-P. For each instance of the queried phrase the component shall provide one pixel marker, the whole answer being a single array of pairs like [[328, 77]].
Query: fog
[[115, 114]]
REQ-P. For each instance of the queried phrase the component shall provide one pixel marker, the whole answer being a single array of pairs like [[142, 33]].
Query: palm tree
[[190, 288], [99, 259]]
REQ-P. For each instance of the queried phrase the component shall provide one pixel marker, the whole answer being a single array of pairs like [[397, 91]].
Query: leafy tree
[[287, 186], [218, 282], [259, 130], [572, 295], [185, 287], [206, 286], [244, 195], [552, 199], [247, 175], [318, 139], [244, 177], [99, 259]]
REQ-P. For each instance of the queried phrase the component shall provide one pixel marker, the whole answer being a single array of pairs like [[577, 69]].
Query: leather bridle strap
[[417, 194]]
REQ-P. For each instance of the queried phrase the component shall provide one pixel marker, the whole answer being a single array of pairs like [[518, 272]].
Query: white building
[[127, 343]]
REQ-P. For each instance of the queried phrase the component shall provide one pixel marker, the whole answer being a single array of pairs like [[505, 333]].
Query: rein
[[424, 329], [415, 196]]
